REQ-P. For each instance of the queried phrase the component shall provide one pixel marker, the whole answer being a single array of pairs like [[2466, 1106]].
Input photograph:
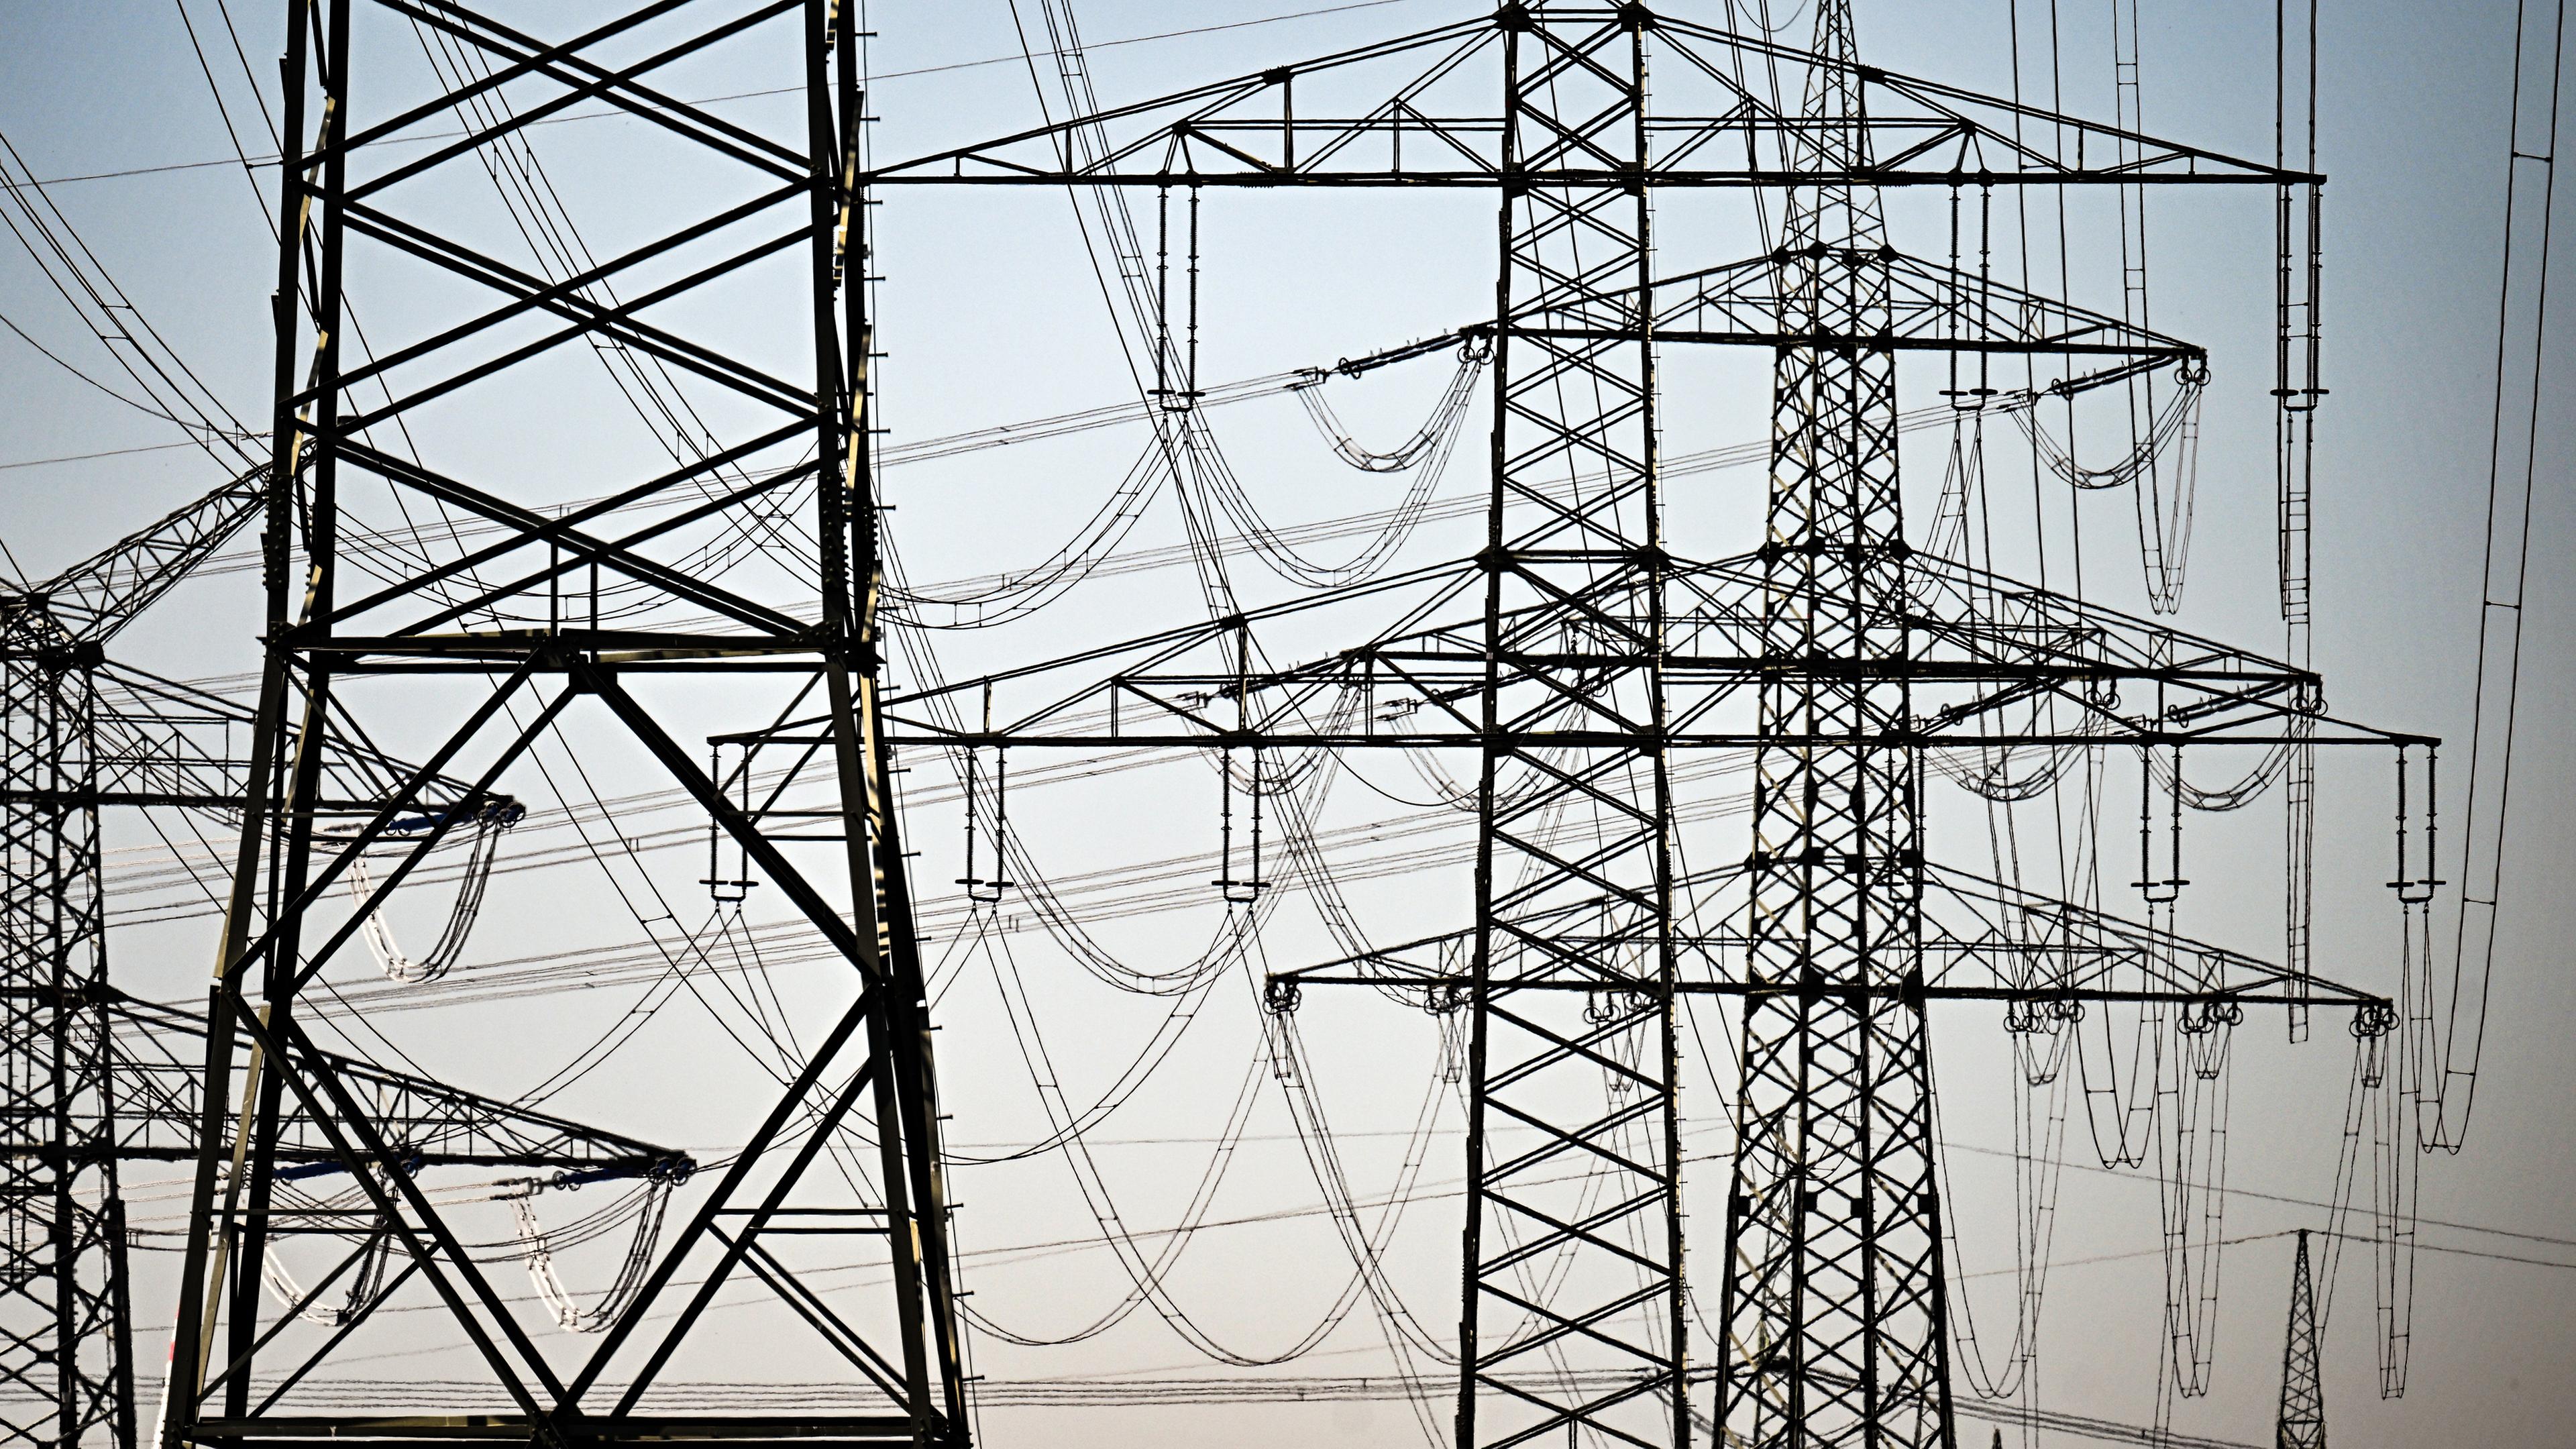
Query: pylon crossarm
[[1172, 675], [89, 602], [2035, 948], [1200, 128], [1909, 131], [1977, 610], [432, 1123], [163, 743], [1415, 112], [1934, 308], [1997, 664], [1931, 308], [2028, 948], [1393, 970]]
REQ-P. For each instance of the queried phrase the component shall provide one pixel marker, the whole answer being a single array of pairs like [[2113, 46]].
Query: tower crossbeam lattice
[[97, 1078], [1580, 650]]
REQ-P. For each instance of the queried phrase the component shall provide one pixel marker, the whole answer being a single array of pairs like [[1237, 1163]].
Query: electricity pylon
[[94, 1078], [65, 1311], [744, 557], [2303, 1390], [1581, 649]]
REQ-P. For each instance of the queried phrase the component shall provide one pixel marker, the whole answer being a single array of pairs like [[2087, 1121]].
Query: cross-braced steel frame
[[122, 1075], [2302, 1420], [1832, 1302], [1594, 1197], [513, 610], [1838, 655], [64, 1313]]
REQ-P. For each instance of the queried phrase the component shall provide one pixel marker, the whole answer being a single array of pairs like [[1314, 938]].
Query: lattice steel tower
[[1579, 650], [2302, 1423], [554, 608], [1833, 1287], [63, 1315], [99, 1078], [1577, 592]]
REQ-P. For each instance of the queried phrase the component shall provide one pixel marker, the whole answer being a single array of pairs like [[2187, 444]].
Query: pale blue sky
[[991, 315]]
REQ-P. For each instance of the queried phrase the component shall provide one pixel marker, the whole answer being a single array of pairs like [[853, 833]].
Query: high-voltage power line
[[94, 1078], [1582, 649], [1579, 658], [561, 611]]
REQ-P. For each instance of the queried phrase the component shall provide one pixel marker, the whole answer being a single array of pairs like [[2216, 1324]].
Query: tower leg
[[64, 1371], [1573, 1324]]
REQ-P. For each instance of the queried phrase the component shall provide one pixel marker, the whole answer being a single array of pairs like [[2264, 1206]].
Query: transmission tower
[[2303, 1392], [87, 734], [1834, 1283], [1581, 649], [535, 608], [64, 1311]]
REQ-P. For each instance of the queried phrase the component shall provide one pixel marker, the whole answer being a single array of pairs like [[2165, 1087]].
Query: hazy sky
[[991, 314]]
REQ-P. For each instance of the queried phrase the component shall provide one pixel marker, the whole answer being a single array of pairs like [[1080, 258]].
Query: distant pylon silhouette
[[2303, 1394]]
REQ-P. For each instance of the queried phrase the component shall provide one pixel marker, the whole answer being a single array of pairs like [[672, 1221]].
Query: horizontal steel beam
[[2270, 994], [730, 1428], [1612, 740], [1589, 178]]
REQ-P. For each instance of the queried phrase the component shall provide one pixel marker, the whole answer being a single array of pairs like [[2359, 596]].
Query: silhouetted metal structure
[[94, 1078], [542, 608], [2302, 1423], [1581, 649], [64, 1313]]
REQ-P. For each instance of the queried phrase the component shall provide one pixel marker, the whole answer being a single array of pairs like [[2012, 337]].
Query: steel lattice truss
[[85, 605], [1832, 1302], [1578, 652], [96, 1078], [2302, 1422], [547, 609], [64, 1317], [1993, 665], [160, 1065], [1438, 126], [1575, 394]]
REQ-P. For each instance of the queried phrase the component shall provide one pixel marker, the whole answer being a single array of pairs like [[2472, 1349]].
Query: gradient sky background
[[990, 315]]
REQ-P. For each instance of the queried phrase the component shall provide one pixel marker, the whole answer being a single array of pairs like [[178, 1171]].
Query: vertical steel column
[[64, 1365], [1833, 1302], [1572, 1322], [200, 1270], [343, 191], [2302, 1423], [2297, 389], [308, 675], [852, 570]]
